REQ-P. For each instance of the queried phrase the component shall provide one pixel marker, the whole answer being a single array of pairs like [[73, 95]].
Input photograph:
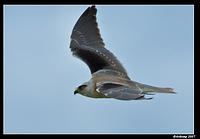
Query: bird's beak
[[75, 92]]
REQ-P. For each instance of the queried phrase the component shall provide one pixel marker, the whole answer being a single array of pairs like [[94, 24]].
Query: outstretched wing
[[121, 92], [87, 44]]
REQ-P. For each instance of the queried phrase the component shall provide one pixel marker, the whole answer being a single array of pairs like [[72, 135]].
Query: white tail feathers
[[148, 88], [165, 90]]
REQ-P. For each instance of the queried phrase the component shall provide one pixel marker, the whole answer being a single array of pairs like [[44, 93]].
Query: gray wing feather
[[120, 92]]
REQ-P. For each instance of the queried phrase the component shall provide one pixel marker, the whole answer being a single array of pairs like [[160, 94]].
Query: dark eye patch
[[82, 86]]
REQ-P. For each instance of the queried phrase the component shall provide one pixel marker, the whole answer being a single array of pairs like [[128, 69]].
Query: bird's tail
[[148, 88]]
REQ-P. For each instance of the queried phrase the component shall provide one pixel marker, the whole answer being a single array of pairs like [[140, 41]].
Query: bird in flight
[[109, 78]]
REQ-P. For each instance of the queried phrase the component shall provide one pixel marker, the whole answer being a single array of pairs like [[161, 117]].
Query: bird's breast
[[90, 91]]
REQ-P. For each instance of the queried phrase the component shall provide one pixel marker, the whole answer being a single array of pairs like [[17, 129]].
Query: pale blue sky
[[154, 43]]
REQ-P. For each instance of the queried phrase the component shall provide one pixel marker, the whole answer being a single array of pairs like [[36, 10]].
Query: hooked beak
[[75, 92]]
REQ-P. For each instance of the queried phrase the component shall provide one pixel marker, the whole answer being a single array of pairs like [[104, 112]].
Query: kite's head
[[83, 89], [80, 89]]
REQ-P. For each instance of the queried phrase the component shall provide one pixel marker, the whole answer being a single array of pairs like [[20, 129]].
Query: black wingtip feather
[[89, 10]]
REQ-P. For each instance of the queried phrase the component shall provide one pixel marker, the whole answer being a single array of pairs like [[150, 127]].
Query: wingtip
[[93, 6], [91, 9]]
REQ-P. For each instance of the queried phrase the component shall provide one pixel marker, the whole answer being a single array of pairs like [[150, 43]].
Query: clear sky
[[154, 44]]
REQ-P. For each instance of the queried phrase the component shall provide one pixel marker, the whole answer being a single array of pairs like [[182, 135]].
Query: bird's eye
[[82, 87]]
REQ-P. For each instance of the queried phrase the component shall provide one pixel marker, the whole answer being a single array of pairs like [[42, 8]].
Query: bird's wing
[[87, 44], [119, 91]]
